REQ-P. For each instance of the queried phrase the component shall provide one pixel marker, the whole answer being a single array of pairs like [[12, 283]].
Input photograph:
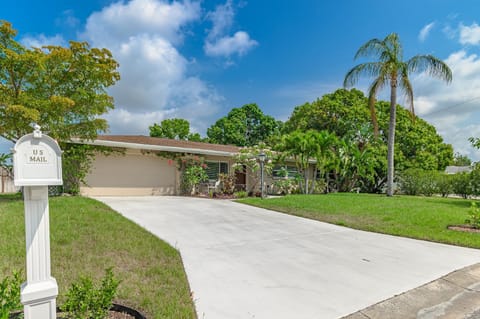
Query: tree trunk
[[391, 137], [315, 172], [305, 175]]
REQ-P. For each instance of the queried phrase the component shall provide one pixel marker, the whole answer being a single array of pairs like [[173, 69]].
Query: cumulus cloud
[[422, 36], [470, 34], [144, 37], [68, 19], [222, 20], [240, 43], [218, 42], [121, 20], [41, 40], [453, 109]]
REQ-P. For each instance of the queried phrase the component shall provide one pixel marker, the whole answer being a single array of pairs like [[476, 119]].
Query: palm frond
[[395, 49], [372, 47], [371, 69], [373, 90], [431, 65]]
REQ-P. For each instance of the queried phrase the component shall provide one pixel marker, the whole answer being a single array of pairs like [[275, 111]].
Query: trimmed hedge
[[427, 183]]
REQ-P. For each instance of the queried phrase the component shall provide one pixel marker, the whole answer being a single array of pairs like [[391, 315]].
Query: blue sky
[[199, 59]]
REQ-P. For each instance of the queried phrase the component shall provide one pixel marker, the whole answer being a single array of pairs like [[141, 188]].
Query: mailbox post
[[37, 163]]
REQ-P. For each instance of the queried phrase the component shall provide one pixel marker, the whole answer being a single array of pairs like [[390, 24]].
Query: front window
[[285, 172], [216, 168]]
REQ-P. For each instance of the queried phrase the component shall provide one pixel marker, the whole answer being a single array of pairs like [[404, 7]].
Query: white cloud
[[68, 19], [470, 34], [222, 19], [218, 42], [454, 109], [122, 20], [144, 36], [42, 40], [422, 36], [240, 43]]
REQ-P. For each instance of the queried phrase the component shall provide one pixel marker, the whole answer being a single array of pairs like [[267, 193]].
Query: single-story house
[[139, 170], [450, 170], [7, 185]]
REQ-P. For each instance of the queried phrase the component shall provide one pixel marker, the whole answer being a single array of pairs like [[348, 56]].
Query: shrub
[[461, 184], [10, 294], [409, 181], [286, 186], [191, 178], [445, 184], [86, 301], [227, 183], [416, 181], [240, 194], [474, 216], [475, 181], [428, 182]]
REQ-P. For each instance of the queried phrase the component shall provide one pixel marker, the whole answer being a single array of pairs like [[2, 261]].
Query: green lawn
[[86, 238], [424, 218]]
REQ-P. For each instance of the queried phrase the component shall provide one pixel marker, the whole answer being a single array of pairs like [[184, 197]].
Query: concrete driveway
[[245, 262]]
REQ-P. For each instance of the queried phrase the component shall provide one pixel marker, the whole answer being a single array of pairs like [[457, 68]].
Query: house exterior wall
[[7, 185], [132, 173], [136, 174]]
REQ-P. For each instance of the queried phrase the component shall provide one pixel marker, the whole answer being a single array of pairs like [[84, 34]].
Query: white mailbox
[[37, 160]]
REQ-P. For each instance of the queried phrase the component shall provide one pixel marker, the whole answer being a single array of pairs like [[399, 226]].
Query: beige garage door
[[130, 174]]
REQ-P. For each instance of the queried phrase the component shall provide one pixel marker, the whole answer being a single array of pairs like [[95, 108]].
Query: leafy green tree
[[244, 126], [417, 144], [62, 89], [5, 159], [339, 112], [461, 160], [345, 114], [392, 70], [177, 129]]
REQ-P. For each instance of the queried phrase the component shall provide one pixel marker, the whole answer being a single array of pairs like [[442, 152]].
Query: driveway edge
[[455, 296]]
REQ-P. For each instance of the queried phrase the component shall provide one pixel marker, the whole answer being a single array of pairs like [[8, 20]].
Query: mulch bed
[[116, 312], [464, 228]]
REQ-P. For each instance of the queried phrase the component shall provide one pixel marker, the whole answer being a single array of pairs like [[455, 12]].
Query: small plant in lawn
[[86, 301], [10, 294], [240, 194], [474, 216]]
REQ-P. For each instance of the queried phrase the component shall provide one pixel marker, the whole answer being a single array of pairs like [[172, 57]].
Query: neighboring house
[[450, 170], [140, 171], [7, 185]]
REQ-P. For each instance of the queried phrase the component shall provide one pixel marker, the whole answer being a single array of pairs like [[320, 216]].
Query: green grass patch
[[423, 218], [86, 238]]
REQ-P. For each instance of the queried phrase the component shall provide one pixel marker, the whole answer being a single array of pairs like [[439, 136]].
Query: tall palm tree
[[390, 69]]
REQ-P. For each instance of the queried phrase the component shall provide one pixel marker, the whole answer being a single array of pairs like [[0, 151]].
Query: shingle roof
[[155, 142]]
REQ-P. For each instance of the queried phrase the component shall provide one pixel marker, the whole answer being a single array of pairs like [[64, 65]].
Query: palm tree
[[302, 147], [390, 69]]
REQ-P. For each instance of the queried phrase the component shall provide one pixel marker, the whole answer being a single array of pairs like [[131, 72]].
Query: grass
[[423, 218], [86, 238]]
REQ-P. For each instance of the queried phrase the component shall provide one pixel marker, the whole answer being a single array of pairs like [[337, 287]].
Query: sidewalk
[[454, 296]]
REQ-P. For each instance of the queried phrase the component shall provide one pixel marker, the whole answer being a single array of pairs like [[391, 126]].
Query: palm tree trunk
[[391, 137]]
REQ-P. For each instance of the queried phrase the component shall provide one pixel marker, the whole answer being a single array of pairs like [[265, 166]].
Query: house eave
[[159, 148]]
